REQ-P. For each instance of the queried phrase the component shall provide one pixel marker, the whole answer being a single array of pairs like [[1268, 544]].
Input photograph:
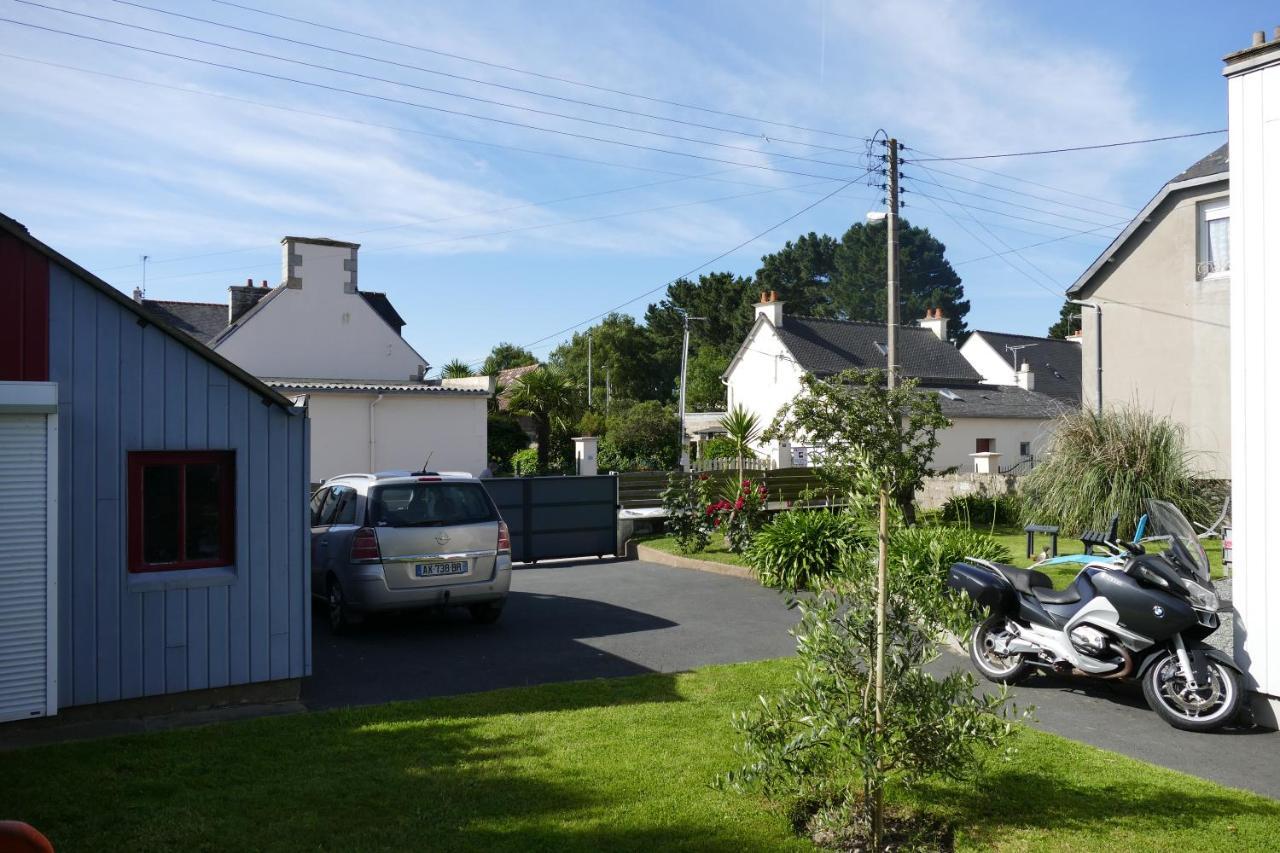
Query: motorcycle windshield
[[1167, 521]]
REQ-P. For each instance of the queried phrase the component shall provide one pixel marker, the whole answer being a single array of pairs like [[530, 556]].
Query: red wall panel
[[24, 312]]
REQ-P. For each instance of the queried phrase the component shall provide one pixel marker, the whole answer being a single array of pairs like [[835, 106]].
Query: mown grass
[[716, 551], [621, 764]]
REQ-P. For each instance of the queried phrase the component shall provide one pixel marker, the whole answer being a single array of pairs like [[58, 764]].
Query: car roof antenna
[[428, 462]]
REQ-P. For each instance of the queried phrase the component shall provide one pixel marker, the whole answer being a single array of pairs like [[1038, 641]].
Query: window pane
[[1219, 248], [160, 510], [429, 504], [346, 509], [204, 521]]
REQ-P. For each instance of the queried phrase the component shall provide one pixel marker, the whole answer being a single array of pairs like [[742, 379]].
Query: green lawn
[[1015, 540], [716, 551], [620, 764]]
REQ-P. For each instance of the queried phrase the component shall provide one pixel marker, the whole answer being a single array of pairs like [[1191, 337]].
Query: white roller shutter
[[25, 654]]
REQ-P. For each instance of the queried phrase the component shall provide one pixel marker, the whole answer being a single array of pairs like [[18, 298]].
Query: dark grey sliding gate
[[553, 517]]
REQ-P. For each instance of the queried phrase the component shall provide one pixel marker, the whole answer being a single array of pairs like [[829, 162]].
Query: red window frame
[[139, 461]]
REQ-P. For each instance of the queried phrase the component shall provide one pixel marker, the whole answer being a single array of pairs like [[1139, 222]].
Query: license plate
[[435, 570]]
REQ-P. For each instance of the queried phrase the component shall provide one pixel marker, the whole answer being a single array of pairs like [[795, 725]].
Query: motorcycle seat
[[1024, 580], [1070, 595]]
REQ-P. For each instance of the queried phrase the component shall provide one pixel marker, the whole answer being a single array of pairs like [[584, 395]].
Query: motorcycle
[[1129, 615]]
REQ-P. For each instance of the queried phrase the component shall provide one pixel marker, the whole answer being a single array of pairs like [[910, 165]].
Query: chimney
[[770, 308], [934, 322], [1025, 379], [137, 295], [240, 298], [1076, 337], [319, 262]]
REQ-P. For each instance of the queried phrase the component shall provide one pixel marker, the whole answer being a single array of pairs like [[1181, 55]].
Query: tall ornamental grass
[[1099, 466]]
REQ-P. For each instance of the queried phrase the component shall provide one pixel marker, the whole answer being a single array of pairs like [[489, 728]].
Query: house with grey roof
[[321, 340], [1048, 365], [1158, 334], [993, 426]]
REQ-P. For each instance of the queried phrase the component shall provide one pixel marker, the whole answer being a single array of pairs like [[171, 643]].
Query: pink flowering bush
[[741, 516]]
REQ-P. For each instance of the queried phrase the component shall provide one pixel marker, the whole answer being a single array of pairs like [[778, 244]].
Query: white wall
[[1253, 89], [960, 439], [991, 364], [321, 328], [766, 378], [407, 427]]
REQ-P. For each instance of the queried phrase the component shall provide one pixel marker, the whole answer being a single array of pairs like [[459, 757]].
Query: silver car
[[400, 540]]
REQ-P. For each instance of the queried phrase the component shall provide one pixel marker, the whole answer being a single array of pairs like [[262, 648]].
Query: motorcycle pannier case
[[982, 585]]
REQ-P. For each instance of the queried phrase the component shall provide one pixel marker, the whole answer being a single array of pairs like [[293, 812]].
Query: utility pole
[[608, 388], [891, 380], [589, 389], [684, 371]]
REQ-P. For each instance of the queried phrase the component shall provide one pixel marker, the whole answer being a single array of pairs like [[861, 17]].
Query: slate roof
[[1213, 163], [825, 347], [377, 387], [999, 401], [201, 320], [1055, 362], [206, 321]]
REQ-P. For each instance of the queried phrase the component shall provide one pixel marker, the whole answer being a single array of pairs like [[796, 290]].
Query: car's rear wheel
[[341, 619], [487, 613]]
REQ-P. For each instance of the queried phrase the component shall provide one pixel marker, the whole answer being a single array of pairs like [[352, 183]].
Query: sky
[[618, 146]]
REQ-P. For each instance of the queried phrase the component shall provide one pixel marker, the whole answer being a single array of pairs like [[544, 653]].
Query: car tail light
[[504, 538], [364, 546]]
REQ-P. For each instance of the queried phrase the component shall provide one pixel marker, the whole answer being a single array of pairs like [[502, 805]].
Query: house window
[[1214, 243], [1024, 449], [181, 510], [986, 445]]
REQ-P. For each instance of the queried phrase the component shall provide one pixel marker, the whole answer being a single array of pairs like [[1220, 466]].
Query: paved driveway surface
[[562, 622]]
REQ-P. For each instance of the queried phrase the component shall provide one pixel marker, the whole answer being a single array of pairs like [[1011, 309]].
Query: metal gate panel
[[554, 517]]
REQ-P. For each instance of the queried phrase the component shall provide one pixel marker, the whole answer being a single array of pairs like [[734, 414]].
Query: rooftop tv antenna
[[1013, 348]]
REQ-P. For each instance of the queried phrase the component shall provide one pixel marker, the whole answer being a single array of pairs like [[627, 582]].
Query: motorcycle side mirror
[[1132, 547]]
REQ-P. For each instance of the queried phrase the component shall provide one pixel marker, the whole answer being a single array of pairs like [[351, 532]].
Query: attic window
[[949, 394], [883, 349]]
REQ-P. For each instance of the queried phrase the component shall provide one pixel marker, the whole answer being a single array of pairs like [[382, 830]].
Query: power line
[[538, 74], [1073, 148], [1074, 231], [1003, 256], [364, 56], [1021, 206], [415, 104], [1011, 251], [499, 233], [1044, 198], [432, 90], [699, 267]]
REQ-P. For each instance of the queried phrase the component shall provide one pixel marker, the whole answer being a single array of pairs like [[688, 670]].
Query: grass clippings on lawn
[[618, 764]]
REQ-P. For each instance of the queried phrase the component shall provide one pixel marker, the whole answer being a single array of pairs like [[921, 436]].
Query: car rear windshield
[[429, 505]]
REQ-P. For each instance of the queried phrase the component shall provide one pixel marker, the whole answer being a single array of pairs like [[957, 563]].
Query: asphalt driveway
[[562, 622]]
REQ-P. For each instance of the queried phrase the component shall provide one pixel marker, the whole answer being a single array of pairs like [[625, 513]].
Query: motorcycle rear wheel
[[1210, 708], [1002, 669]]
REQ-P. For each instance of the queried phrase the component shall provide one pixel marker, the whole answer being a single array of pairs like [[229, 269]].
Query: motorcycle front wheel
[[1002, 669], [1210, 706]]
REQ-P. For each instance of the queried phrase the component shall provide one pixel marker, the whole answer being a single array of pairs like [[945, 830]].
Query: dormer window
[[1214, 242]]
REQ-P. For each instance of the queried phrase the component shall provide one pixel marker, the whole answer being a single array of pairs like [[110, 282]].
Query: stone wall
[[938, 490]]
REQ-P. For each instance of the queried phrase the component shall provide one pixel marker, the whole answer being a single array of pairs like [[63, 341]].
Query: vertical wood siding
[[126, 386], [24, 324]]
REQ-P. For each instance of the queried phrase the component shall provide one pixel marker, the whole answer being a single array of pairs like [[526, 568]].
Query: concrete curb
[[653, 555]]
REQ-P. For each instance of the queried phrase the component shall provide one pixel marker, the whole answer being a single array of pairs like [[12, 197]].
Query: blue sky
[[476, 242]]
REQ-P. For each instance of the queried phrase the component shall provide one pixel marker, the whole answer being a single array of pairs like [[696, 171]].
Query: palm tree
[[551, 399], [742, 428], [456, 369]]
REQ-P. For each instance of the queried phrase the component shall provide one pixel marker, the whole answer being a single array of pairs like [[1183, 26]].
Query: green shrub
[[1099, 466], [802, 549], [983, 510], [719, 447], [524, 463], [685, 502], [506, 436], [740, 513], [930, 551]]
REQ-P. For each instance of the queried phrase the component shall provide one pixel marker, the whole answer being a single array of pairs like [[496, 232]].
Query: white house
[[1253, 78], [320, 339], [1006, 359], [992, 425]]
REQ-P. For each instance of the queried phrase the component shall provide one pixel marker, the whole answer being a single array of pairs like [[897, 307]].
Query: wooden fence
[[643, 489]]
